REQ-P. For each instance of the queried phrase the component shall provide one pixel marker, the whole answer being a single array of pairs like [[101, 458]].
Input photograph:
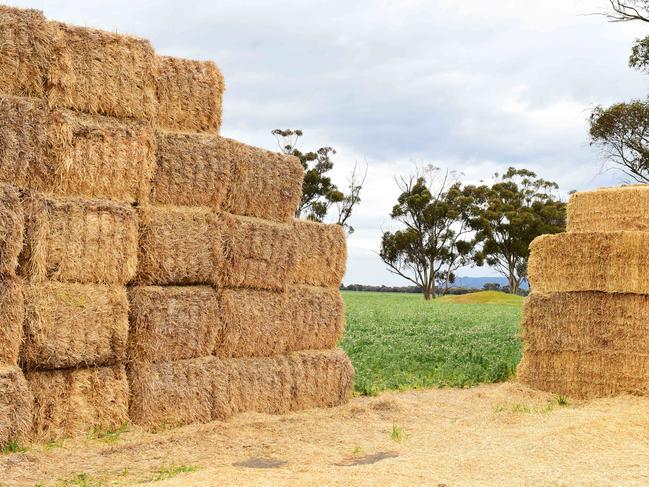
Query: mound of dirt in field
[[485, 297], [502, 434]]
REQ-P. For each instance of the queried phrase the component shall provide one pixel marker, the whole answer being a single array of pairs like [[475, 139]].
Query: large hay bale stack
[[585, 323], [150, 269]]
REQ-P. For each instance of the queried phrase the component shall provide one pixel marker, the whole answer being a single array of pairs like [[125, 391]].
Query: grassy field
[[399, 341]]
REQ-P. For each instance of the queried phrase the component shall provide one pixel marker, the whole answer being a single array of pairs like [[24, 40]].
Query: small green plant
[[562, 400], [50, 445], [164, 473], [108, 436], [521, 408], [357, 450], [500, 408], [397, 434], [13, 446], [80, 480]]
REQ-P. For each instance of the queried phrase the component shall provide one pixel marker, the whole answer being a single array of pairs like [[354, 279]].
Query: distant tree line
[[445, 224]]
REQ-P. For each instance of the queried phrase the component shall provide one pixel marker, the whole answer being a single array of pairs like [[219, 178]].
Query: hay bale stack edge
[[151, 270]]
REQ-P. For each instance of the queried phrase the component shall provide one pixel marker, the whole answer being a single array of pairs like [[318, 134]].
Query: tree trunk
[[513, 284]]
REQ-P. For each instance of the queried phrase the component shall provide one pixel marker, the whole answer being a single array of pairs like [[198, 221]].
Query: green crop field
[[399, 341]]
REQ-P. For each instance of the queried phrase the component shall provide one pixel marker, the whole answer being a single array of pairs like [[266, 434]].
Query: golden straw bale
[[609, 210], [264, 323], [74, 154], [12, 315], [257, 253], [23, 142], [24, 51], [321, 254], [78, 240], [586, 322], [71, 402], [11, 229], [173, 323], [178, 245], [260, 385], [100, 157], [73, 325], [190, 94], [586, 375], [101, 72], [176, 393], [264, 184], [320, 379], [16, 403], [590, 261], [191, 169]]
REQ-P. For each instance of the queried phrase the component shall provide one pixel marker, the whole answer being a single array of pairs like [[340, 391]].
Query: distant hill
[[479, 282]]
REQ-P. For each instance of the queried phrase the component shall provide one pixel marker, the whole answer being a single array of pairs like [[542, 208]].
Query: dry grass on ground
[[502, 434]]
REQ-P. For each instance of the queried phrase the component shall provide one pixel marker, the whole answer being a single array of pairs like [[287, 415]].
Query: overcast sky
[[473, 86]]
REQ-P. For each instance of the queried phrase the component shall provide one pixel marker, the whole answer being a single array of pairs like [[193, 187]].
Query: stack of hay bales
[[586, 320], [116, 187]]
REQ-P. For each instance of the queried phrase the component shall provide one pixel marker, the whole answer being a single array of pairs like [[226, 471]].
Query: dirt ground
[[502, 434]]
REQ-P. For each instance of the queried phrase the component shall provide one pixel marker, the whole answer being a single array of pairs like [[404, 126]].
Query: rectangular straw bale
[[78, 240], [24, 51], [23, 142], [190, 95], [11, 229], [71, 402], [176, 393], [609, 210], [173, 322], [101, 72], [321, 254], [586, 322], [12, 315], [100, 157], [265, 184], [191, 169], [586, 375], [257, 253], [590, 261], [261, 385], [320, 379], [265, 323], [16, 404], [74, 325], [178, 245]]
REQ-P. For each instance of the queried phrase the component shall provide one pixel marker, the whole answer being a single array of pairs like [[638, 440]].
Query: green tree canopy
[[508, 215], [434, 239], [620, 131], [319, 193]]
